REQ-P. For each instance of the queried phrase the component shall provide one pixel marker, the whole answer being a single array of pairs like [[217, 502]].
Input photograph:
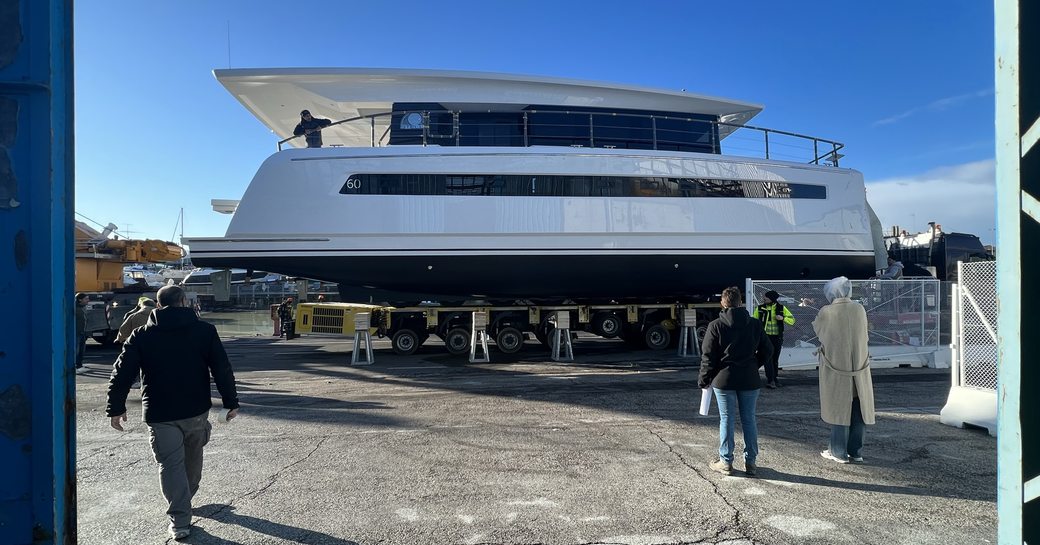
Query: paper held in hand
[[705, 401], [223, 417]]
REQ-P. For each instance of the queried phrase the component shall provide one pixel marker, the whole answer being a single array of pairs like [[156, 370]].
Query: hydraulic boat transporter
[[439, 185]]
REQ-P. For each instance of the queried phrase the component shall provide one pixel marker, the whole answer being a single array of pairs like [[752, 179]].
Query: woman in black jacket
[[734, 347]]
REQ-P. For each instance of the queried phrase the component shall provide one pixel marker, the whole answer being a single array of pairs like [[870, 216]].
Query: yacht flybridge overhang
[[276, 97]]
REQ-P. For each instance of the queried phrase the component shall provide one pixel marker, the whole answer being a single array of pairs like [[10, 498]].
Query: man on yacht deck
[[311, 126]]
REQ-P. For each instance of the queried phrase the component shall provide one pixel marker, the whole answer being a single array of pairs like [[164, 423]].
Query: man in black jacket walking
[[733, 349], [175, 353], [311, 126]]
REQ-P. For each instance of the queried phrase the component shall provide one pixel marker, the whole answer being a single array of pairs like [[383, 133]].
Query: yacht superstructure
[[458, 184]]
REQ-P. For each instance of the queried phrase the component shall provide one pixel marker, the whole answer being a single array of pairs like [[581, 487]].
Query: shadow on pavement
[[224, 514], [774, 475], [199, 536]]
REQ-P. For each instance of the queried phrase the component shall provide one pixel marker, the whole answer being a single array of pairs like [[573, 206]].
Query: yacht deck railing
[[606, 130]]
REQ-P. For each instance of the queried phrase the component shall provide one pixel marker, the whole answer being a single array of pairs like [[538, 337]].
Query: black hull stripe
[[568, 276]]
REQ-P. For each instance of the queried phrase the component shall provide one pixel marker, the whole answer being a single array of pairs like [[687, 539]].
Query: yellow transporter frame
[[338, 318]]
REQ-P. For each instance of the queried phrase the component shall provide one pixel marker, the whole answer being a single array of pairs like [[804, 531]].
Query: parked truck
[[935, 252]]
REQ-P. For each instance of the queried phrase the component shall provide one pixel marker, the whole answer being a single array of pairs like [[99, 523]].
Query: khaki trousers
[[177, 446]]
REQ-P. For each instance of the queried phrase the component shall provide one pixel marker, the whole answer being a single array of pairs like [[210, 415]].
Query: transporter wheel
[[544, 333], [657, 337], [509, 340], [607, 325], [405, 342], [456, 341]]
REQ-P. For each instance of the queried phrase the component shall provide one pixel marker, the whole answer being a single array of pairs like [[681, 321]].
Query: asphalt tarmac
[[430, 449]]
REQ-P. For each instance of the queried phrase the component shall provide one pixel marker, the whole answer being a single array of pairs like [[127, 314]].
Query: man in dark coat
[[285, 317], [175, 353], [733, 349], [81, 330], [311, 126]]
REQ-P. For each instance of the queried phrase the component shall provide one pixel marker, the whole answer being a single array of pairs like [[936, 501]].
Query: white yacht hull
[[294, 220]]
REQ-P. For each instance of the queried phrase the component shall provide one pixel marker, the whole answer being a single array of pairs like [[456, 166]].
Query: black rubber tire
[[456, 341], [607, 325], [509, 340], [657, 337], [405, 342]]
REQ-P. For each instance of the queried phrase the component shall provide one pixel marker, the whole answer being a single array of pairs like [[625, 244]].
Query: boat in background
[[141, 274], [201, 277]]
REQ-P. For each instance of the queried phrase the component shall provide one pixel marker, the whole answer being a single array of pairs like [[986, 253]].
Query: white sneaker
[[827, 454], [856, 459], [81, 369], [179, 532]]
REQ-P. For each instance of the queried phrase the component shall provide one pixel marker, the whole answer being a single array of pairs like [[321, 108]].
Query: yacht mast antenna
[[229, 43], [180, 222]]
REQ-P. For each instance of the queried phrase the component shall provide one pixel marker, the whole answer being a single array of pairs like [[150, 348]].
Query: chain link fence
[[903, 316], [256, 295], [975, 326]]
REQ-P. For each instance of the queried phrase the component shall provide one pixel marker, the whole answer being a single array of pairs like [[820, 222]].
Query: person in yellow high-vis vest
[[774, 317]]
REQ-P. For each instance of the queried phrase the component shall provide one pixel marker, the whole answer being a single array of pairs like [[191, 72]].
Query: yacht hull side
[[611, 277]]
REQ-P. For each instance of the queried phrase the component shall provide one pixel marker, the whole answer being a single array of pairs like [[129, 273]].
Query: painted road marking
[[799, 526]]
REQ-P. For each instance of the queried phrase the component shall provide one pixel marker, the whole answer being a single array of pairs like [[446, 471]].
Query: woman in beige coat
[[846, 390]]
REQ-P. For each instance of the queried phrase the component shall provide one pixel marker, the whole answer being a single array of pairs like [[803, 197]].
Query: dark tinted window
[[574, 186], [415, 123]]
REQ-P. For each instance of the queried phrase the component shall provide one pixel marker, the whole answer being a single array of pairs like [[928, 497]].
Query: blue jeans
[[848, 440], [729, 401]]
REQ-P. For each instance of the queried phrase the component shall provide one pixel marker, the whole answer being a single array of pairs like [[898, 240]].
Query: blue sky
[[906, 86]]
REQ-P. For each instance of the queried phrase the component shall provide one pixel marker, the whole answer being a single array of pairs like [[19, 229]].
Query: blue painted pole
[[1009, 273], [37, 384]]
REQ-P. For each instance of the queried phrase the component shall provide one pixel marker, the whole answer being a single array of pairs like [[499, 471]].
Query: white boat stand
[[562, 337], [362, 339], [479, 336], [689, 344]]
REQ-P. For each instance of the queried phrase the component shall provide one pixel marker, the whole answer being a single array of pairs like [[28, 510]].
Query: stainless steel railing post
[[425, 127], [592, 141], [653, 129], [526, 144]]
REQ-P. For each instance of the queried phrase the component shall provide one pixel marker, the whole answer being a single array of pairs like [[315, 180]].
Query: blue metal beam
[[37, 385]]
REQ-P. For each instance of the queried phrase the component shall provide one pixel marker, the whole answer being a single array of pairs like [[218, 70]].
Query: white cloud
[[960, 197], [934, 106]]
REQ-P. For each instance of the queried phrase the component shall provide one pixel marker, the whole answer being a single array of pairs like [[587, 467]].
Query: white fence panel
[[973, 394], [903, 319]]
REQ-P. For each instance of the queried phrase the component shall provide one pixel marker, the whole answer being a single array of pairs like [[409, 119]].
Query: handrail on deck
[[829, 154]]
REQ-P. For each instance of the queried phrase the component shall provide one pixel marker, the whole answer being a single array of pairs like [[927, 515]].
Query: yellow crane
[[100, 259]]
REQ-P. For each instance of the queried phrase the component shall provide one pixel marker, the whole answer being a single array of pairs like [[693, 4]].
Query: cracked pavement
[[606, 450]]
